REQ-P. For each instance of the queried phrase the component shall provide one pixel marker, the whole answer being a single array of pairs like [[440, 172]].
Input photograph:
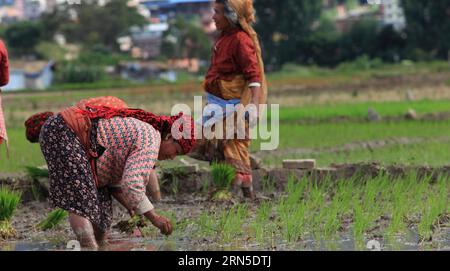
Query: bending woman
[[100, 148]]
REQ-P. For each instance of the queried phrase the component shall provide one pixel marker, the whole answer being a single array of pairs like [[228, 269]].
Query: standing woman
[[4, 79], [95, 151], [236, 76]]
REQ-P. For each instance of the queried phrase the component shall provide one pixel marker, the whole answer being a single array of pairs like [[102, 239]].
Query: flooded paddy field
[[350, 214], [409, 125]]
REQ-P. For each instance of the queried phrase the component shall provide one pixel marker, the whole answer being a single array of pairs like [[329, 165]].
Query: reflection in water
[[344, 242]]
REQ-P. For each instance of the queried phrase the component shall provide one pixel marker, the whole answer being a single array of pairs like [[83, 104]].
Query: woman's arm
[[117, 193], [153, 187]]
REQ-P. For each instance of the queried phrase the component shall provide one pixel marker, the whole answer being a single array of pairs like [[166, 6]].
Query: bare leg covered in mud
[[84, 231], [245, 182], [100, 236]]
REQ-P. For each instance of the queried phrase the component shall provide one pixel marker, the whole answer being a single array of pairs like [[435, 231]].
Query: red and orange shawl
[[4, 79]]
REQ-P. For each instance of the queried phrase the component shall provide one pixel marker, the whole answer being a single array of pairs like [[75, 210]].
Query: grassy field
[[430, 153], [307, 119], [356, 71], [316, 136], [306, 215], [359, 110]]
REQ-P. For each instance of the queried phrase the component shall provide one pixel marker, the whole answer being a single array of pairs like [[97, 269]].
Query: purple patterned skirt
[[72, 186]]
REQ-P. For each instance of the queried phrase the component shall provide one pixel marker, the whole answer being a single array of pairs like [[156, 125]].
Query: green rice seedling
[[222, 178], [205, 186], [261, 221], [268, 185], [371, 207], [363, 206], [8, 204], [429, 214], [416, 191], [297, 188], [316, 208], [173, 176], [35, 190], [206, 225], [359, 220], [37, 172], [332, 221], [175, 185], [128, 226], [399, 207], [435, 207], [292, 221], [53, 219], [230, 222], [344, 195]]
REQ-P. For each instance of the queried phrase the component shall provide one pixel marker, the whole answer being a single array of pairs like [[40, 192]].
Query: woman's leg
[[100, 236], [84, 231]]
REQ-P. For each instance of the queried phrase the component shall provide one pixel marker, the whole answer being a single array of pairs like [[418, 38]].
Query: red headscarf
[[34, 124], [161, 123]]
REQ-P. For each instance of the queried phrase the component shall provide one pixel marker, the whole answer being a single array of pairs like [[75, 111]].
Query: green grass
[[319, 135], [36, 172], [8, 203], [323, 135], [53, 219], [432, 153], [360, 110], [352, 72], [22, 153]]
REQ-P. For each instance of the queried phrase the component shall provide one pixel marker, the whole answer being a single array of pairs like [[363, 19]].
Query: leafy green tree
[[51, 22], [22, 37], [428, 26], [186, 38], [283, 27], [93, 24], [359, 40]]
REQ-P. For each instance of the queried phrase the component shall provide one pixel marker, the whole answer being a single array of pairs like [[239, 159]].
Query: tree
[[117, 18], [186, 39], [94, 24], [51, 22], [428, 26], [283, 26], [22, 37], [360, 40]]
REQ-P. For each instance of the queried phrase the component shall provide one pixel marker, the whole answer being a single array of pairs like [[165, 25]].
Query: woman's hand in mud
[[162, 223]]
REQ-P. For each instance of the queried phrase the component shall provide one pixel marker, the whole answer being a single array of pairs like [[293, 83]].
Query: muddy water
[[343, 242], [139, 244], [132, 244], [30, 239]]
